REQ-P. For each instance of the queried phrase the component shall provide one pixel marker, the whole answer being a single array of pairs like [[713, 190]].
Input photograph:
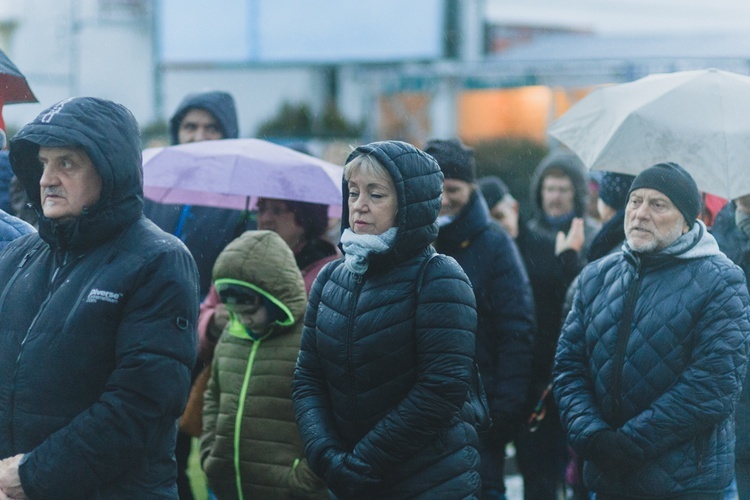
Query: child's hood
[[263, 259]]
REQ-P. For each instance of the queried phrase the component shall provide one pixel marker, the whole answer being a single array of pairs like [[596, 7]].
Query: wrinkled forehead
[[199, 116], [557, 180], [76, 152], [650, 195]]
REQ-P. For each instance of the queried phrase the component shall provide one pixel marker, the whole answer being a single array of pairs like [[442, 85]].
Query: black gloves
[[614, 454], [347, 475]]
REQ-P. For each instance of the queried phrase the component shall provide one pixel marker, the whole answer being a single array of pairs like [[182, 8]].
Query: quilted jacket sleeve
[[445, 330], [573, 387], [707, 391], [309, 392], [210, 414], [509, 305]]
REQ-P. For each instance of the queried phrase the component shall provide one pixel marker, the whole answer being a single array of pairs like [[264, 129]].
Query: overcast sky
[[627, 16]]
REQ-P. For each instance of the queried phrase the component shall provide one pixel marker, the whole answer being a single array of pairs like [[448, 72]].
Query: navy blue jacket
[[6, 174], [656, 345], [736, 245], [383, 374], [505, 306], [98, 331], [204, 230], [12, 228]]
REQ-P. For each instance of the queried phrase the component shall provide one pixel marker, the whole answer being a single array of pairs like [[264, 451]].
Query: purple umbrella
[[232, 173]]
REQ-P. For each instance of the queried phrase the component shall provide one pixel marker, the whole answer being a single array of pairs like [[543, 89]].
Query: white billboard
[[299, 31]]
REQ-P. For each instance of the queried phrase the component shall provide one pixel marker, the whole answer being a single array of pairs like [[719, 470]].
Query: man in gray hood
[[205, 231], [201, 116]]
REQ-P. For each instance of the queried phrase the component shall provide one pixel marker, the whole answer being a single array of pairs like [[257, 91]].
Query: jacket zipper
[[238, 418], [623, 335], [23, 343], [350, 340]]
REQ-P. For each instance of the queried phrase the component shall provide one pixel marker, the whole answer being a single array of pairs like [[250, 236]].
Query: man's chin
[[58, 217], [641, 245]]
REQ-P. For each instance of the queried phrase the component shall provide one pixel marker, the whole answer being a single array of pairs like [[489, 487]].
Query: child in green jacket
[[250, 447]]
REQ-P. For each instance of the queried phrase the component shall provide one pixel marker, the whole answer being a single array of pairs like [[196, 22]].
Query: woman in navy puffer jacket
[[383, 372]]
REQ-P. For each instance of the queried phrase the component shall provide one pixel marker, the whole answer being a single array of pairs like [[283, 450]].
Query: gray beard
[[655, 245]]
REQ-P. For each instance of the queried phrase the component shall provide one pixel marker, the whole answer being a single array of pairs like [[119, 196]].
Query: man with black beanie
[[505, 306], [652, 356]]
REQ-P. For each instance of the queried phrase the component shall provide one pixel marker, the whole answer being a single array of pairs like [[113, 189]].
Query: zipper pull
[[24, 260]]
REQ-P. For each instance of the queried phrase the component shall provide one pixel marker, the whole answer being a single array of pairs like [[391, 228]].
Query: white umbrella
[[699, 119]]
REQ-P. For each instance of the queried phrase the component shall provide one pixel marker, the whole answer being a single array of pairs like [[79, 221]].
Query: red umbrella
[[13, 86]]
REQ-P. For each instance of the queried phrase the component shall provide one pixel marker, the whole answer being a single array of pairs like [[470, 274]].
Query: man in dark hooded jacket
[[202, 116], [732, 232], [98, 310], [553, 245], [505, 306], [205, 231]]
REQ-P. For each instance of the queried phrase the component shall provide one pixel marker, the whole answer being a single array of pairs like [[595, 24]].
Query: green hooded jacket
[[250, 447]]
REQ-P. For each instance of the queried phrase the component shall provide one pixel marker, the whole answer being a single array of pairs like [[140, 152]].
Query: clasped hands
[[347, 475], [614, 454]]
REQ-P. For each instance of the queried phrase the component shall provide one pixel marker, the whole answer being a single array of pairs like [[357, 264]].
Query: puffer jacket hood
[[573, 167], [419, 188], [263, 259], [109, 134], [219, 104]]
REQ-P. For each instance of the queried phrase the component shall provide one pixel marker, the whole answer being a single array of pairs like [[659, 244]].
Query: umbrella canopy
[[232, 173], [13, 85], [698, 119]]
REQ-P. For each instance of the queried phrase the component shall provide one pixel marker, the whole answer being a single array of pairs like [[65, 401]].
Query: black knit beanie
[[674, 181], [455, 159], [614, 188], [493, 189]]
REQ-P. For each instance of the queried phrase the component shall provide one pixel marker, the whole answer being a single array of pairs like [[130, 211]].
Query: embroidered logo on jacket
[[95, 295]]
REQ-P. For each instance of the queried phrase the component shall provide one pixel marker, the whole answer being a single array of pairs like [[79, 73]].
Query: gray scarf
[[358, 247]]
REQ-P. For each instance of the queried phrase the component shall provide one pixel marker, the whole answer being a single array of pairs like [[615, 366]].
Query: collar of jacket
[[695, 243], [89, 229], [473, 219]]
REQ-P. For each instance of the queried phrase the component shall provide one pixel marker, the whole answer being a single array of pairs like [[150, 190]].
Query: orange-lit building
[[532, 75]]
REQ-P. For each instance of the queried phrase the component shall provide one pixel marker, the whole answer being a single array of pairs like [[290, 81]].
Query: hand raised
[[571, 241]]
